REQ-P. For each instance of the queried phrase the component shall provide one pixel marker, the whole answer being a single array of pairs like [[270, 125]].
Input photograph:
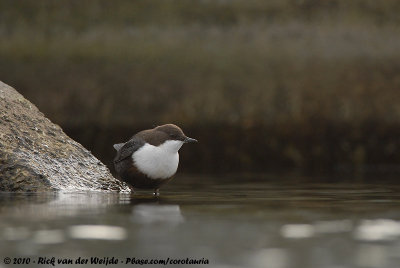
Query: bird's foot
[[156, 192]]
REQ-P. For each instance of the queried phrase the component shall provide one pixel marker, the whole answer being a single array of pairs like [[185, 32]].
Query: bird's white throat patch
[[158, 162]]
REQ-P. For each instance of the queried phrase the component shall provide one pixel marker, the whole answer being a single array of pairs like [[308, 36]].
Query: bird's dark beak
[[189, 140]]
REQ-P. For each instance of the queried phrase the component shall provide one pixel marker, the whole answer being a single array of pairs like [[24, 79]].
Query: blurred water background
[[293, 85]]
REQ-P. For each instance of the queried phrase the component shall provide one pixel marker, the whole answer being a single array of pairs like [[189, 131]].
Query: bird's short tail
[[118, 146]]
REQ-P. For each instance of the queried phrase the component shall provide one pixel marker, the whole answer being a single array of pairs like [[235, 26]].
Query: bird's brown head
[[174, 133]]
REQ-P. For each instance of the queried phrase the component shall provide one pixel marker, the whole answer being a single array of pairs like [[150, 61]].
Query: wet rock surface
[[36, 155]]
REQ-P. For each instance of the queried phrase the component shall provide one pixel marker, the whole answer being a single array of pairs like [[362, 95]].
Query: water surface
[[272, 223]]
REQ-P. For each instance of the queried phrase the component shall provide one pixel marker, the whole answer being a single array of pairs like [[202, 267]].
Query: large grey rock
[[36, 155]]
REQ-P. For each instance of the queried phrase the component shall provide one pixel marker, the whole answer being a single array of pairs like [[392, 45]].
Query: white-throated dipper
[[150, 158]]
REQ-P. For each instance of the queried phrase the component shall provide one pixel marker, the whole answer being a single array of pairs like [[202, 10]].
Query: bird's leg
[[156, 192], [131, 188]]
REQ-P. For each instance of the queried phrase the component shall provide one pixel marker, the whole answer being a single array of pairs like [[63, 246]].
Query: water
[[273, 223]]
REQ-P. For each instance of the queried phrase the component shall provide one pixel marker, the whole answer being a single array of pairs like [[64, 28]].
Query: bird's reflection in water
[[154, 212]]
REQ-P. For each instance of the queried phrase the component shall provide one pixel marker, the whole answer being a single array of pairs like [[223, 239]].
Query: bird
[[150, 158]]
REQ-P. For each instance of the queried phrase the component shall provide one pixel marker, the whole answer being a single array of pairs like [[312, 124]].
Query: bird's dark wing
[[128, 149]]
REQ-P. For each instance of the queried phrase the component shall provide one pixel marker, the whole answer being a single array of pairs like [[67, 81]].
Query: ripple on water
[[320, 227], [15, 233], [297, 230], [379, 229], [48, 237], [101, 232]]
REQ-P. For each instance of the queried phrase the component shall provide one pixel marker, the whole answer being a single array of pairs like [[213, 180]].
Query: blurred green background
[[289, 85]]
